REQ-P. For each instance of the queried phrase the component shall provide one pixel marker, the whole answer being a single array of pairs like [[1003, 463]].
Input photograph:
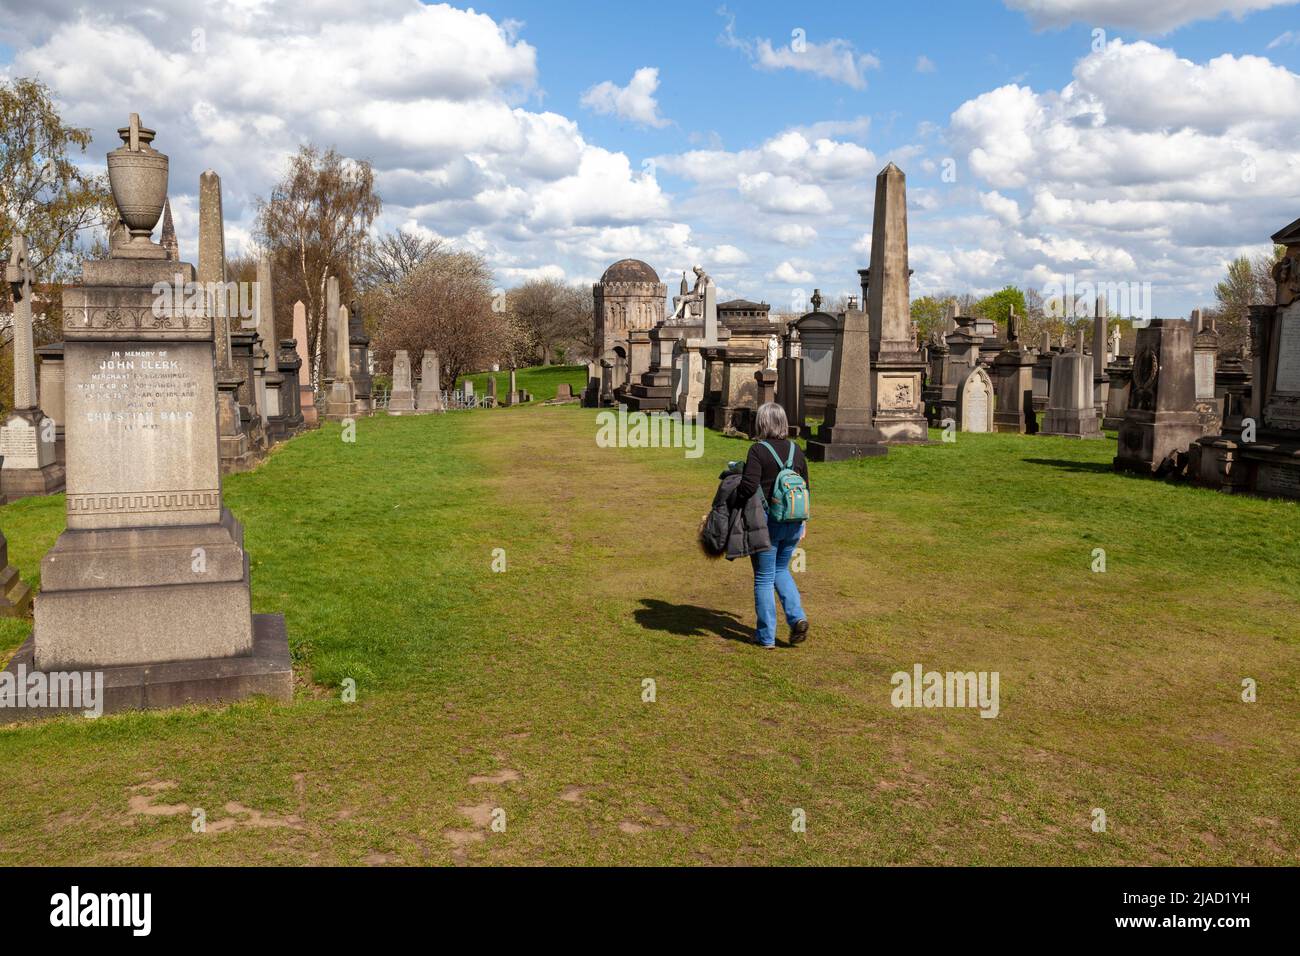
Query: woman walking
[[771, 453]]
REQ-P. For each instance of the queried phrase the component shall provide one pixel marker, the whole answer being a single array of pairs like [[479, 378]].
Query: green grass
[[1119, 690], [542, 381]]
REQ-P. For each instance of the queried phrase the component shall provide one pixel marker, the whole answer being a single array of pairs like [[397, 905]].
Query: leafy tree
[[998, 306], [1247, 282], [316, 223], [928, 313]]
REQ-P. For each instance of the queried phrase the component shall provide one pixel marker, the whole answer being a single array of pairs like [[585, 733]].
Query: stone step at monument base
[[647, 403], [267, 672], [401, 402], [1112, 424], [18, 483], [842, 442], [15, 595]]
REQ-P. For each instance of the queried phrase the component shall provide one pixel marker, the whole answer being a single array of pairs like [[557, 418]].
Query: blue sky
[[1118, 161]]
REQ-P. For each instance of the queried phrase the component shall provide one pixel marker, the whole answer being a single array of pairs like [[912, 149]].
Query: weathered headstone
[[1160, 422], [15, 595], [1205, 351], [430, 397], [274, 403], [359, 345], [1070, 410], [1100, 383], [29, 463], [1259, 450], [401, 401], [330, 334], [847, 430], [149, 583], [975, 401]]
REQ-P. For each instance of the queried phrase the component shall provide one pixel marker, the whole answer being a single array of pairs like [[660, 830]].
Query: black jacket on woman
[[736, 525]]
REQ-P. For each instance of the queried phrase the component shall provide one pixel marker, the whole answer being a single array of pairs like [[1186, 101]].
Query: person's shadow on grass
[[689, 620]]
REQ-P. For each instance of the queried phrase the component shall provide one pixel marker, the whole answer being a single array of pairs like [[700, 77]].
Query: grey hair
[[771, 422]]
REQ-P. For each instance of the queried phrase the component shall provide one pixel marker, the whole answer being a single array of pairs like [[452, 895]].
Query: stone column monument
[[306, 391], [898, 411], [401, 401], [149, 583], [237, 450], [430, 397], [276, 404], [29, 462], [342, 400]]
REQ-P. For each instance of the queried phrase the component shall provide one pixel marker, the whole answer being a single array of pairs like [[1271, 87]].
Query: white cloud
[[727, 255], [924, 64], [1005, 208], [783, 194], [1154, 16], [1287, 38], [833, 59], [435, 97], [635, 102], [789, 274]]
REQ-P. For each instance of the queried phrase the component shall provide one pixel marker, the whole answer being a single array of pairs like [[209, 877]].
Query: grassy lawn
[[542, 381], [519, 695]]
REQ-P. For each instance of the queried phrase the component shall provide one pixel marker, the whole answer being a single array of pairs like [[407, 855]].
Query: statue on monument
[[686, 312]]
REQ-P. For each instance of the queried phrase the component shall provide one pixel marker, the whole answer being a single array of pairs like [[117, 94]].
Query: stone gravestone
[[275, 404], [1070, 409], [491, 388], [330, 334], [847, 430], [1205, 352], [898, 407], [306, 392], [401, 401], [1160, 422], [1269, 464], [975, 401], [564, 392], [1013, 376], [29, 462], [359, 350], [430, 398], [15, 595], [149, 583], [50, 392]]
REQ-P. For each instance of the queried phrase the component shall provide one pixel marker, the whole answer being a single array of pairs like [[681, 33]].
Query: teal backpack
[[790, 499]]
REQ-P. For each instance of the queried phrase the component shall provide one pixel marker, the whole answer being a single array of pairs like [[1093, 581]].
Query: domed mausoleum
[[629, 299]]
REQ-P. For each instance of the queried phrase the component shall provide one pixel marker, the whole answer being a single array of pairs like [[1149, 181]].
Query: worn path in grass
[[518, 696]]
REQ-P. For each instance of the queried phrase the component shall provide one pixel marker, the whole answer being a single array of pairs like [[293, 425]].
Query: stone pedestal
[[401, 401], [1070, 409], [359, 347], [1161, 421], [237, 453], [765, 380], [1120, 374], [290, 390], [244, 349], [29, 465], [789, 391], [150, 575], [430, 397], [1013, 381], [847, 430], [306, 391]]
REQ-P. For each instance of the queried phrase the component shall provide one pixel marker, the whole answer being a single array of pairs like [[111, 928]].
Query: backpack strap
[[790, 461], [779, 463]]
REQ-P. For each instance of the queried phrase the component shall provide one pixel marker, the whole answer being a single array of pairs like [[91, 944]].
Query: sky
[[1108, 140]]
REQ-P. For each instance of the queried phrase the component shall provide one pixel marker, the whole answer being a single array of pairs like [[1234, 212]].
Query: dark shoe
[[799, 633]]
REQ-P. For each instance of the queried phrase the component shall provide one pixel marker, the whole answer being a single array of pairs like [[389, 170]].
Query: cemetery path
[[504, 716]]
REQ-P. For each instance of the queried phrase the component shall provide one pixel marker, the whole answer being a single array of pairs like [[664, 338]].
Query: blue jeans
[[772, 567]]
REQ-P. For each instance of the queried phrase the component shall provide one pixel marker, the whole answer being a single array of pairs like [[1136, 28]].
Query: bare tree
[[447, 303], [391, 257], [554, 316], [315, 223]]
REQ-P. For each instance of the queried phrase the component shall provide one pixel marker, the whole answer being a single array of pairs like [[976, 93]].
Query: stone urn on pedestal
[[137, 176]]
